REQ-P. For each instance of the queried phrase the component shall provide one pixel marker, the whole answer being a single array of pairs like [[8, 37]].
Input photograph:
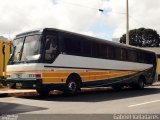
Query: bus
[[53, 59], [5, 46], [158, 66]]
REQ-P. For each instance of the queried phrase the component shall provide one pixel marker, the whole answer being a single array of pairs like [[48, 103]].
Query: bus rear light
[[38, 75]]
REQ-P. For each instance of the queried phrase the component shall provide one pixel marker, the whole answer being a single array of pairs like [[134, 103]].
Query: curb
[[156, 84], [21, 94], [15, 93]]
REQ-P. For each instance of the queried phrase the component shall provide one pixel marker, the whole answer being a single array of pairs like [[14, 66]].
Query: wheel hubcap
[[141, 84], [72, 86]]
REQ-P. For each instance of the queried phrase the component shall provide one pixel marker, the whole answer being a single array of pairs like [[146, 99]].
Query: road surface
[[90, 101]]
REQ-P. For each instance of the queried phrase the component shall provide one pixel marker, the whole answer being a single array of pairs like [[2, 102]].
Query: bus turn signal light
[[38, 75]]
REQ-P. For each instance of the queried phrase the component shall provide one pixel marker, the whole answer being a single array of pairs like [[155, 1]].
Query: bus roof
[[38, 31], [35, 31], [101, 40]]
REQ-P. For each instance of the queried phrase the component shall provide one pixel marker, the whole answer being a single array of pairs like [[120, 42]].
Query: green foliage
[[142, 37]]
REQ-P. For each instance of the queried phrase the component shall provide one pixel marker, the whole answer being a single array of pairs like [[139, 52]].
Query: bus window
[[124, 54], [118, 53], [149, 58], [111, 52], [18, 43], [103, 51], [76, 46], [141, 57], [95, 49], [132, 56], [50, 47], [31, 49], [72, 45], [86, 48]]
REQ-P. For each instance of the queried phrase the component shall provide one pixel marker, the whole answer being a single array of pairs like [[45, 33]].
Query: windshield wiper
[[11, 60], [20, 53]]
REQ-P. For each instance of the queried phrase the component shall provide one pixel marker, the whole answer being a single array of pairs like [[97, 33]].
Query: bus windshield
[[26, 49]]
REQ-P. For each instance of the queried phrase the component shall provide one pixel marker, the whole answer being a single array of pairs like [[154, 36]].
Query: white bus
[[53, 59]]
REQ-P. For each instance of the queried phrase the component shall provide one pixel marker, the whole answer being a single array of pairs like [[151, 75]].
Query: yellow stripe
[[86, 76], [58, 76]]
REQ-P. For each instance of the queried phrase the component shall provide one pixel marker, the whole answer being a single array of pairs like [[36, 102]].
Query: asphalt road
[[90, 101]]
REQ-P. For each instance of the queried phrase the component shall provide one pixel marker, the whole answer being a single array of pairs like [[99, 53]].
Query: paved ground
[[90, 101], [15, 92]]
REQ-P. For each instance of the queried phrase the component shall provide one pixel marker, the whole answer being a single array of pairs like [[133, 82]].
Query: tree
[[142, 37]]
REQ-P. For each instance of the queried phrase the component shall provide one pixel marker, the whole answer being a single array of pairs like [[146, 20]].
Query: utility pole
[[127, 23]]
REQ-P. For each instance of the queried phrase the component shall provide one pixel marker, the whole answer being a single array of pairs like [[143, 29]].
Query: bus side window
[[149, 58], [111, 52], [132, 56], [118, 53], [142, 57], [124, 54], [103, 51], [95, 49], [50, 47], [86, 48], [72, 45], [76, 45]]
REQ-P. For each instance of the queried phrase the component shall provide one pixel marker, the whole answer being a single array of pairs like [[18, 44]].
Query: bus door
[[4, 57], [1, 59]]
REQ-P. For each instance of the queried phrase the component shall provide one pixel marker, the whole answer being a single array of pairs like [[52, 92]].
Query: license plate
[[16, 76]]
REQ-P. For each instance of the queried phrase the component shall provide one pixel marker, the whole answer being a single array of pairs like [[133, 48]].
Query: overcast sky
[[80, 16]]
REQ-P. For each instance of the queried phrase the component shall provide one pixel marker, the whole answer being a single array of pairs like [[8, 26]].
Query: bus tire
[[140, 83], [43, 92], [72, 86]]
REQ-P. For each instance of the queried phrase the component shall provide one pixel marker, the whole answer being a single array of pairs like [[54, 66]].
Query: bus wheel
[[43, 92], [140, 84], [72, 86]]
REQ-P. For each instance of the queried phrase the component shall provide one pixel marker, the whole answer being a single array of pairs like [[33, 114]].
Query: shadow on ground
[[96, 95], [13, 108], [4, 95]]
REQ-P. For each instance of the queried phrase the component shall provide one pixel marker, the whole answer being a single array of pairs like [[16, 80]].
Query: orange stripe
[[91, 75]]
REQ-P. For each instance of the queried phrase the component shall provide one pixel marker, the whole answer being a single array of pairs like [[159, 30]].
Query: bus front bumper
[[24, 84], [33, 84]]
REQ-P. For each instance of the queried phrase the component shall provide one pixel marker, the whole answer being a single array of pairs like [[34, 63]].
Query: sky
[[81, 16]]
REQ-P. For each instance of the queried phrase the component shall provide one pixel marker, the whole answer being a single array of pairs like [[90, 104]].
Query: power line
[[80, 5], [89, 7], [100, 10]]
